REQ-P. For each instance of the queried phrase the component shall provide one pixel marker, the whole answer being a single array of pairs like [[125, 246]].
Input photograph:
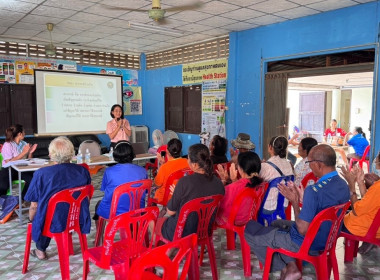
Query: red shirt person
[[333, 130]]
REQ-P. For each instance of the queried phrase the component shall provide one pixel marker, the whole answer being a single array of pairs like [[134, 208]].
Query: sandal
[[34, 254]]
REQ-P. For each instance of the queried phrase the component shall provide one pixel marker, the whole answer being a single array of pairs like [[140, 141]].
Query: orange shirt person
[[174, 163]]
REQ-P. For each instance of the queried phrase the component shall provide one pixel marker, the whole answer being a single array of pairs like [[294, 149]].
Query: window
[[80, 56], [183, 109], [212, 49]]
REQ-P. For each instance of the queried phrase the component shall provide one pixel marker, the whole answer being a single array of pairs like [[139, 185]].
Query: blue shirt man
[[330, 190], [48, 181]]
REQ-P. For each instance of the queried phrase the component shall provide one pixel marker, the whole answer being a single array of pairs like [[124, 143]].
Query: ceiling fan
[[51, 50], [158, 14]]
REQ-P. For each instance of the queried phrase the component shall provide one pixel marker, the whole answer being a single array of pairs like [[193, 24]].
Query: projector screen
[[71, 102]]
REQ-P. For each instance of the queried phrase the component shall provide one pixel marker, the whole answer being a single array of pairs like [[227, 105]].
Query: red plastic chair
[[63, 239], [351, 242], [325, 260], [154, 166], [172, 179], [308, 177], [118, 255], [185, 250], [205, 207], [85, 165], [254, 197], [135, 191], [362, 160]]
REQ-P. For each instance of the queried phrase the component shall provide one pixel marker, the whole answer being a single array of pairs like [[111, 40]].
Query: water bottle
[[87, 157], [79, 158], [110, 154], [329, 139]]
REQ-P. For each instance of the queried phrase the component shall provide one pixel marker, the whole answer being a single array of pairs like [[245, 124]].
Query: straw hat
[[243, 141]]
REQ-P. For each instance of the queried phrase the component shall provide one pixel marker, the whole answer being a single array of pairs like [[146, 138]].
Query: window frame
[[182, 113]]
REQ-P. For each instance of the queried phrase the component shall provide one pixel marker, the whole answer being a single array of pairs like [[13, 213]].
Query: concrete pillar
[[336, 104]]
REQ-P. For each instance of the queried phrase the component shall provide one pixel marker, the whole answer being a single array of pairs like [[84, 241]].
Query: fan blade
[[191, 6], [163, 21], [108, 7]]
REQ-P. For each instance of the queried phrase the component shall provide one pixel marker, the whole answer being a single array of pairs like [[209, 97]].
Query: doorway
[[280, 80]]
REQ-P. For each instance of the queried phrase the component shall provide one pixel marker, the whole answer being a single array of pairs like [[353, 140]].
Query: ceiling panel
[[29, 1], [6, 14], [328, 5], [89, 18], [72, 24], [35, 19], [80, 39], [53, 12], [191, 16], [267, 19], [243, 14], [98, 9], [217, 21], [93, 25], [69, 4], [21, 33], [297, 12], [273, 6], [217, 7], [27, 25], [17, 6], [57, 37]]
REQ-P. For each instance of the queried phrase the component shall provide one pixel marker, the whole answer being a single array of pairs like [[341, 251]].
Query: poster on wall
[[7, 71], [25, 72], [20, 70], [213, 76], [204, 71], [132, 100], [130, 77], [213, 107]]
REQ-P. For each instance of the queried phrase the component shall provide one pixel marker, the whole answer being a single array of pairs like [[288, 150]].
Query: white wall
[[362, 100]]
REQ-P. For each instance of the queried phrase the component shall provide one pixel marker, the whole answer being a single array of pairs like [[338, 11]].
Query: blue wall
[[337, 31], [154, 103]]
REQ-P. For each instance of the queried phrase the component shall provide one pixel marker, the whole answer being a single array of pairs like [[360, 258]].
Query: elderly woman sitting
[[123, 172], [48, 181]]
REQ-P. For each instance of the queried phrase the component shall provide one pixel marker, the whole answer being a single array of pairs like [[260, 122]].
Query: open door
[[276, 87]]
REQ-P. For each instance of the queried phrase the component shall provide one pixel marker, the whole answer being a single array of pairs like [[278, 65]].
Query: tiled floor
[[12, 240]]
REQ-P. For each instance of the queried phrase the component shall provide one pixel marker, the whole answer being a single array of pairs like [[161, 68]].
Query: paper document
[[25, 162], [16, 162], [37, 161]]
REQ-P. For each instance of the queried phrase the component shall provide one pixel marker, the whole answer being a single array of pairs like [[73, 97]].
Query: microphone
[[122, 129]]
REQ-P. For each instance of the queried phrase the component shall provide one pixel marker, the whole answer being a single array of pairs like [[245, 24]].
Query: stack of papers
[[26, 162], [37, 161]]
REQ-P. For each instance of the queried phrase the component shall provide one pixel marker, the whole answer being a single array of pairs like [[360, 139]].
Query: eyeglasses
[[309, 161]]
